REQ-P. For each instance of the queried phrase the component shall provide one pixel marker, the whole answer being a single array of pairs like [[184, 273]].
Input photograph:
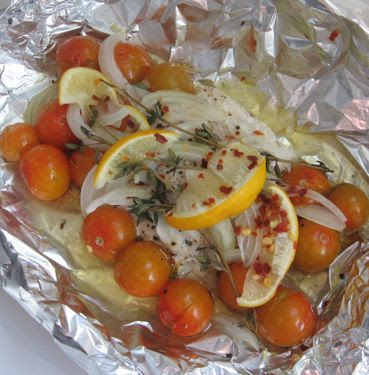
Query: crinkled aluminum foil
[[311, 57]]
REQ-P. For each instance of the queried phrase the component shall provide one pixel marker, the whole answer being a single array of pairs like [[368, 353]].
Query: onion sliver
[[223, 236], [107, 61], [320, 215], [321, 199], [88, 190], [76, 121]]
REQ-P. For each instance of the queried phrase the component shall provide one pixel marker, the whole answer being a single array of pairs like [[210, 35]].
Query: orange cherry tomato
[[80, 163], [52, 127], [288, 319], [226, 292], [45, 171], [133, 61], [353, 202], [77, 51], [168, 76], [185, 306], [308, 177], [16, 139], [143, 269], [317, 246], [107, 231]]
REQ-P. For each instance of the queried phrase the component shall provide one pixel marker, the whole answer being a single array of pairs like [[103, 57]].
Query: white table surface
[[26, 347]]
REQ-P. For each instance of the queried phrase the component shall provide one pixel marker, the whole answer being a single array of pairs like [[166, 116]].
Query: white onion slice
[[320, 215], [87, 190], [107, 61], [119, 197], [223, 236], [76, 121], [321, 199], [250, 246]]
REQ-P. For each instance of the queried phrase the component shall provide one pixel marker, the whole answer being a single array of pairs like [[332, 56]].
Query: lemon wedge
[[84, 86], [134, 147], [277, 252], [234, 177]]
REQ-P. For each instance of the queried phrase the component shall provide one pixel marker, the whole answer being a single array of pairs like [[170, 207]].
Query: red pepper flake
[[165, 109], [334, 35], [220, 161], [224, 152], [302, 192], [243, 78], [258, 132], [237, 153], [160, 138], [94, 97], [185, 185], [262, 268], [237, 230], [209, 155], [150, 154], [162, 176], [209, 201], [201, 175], [282, 227], [237, 133], [219, 167], [254, 161], [225, 189], [204, 163], [170, 214], [106, 99]]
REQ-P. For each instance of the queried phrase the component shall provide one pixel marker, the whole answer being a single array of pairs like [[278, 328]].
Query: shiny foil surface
[[311, 57]]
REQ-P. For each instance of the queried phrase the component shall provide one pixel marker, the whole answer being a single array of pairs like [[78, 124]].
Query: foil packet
[[305, 62]]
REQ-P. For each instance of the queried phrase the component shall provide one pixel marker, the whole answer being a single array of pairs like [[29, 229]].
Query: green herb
[[72, 146], [148, 209], [89, 134], [127, 167], [173, 161], [206, 134], [94, 115], [155, 113]]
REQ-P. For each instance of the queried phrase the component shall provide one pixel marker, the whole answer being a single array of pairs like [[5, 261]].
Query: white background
[[26, 347]]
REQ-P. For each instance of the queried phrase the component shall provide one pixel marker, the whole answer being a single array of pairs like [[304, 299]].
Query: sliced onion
[[223, 236], [76, 121], [320, 215], [321, 199], [250, 246], [114, 114], [107, 61], [87, 190], [119, 197]]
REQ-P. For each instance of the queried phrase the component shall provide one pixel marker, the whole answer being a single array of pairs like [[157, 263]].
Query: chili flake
[[160, 138], [165, 109], [225, 189], [237, 230], [201, 175], [237, 153], [204, 163], [334, 35], [254, 161], [219, 167], [210, 201], [258, 132]]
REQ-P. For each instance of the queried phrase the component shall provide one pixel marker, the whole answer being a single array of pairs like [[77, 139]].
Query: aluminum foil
[[308, 56]]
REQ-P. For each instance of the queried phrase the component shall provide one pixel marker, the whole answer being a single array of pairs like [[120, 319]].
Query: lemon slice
[[134, 147], [277, 252], [84, 86], [234, 177]]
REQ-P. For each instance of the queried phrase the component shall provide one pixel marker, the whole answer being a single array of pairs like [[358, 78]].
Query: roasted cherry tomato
[[288, 319], [77, 51], [45, 171], [80, 163], [17, 139], [143, 269], [307, 177], [52, 127], [168, 76], [353, 202], [185, 306], [133, 61], [226, 292], [317, 246], [107, 231]]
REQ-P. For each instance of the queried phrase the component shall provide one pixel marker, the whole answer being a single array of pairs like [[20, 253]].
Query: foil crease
[[307, 56]]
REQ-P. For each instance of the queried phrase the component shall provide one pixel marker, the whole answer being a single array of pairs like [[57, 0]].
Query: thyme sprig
[[148, 209], [155, 113], [89, 134], [206, 132], [124, 94]]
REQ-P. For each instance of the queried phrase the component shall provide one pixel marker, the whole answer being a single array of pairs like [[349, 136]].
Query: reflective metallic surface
[[307, 56]]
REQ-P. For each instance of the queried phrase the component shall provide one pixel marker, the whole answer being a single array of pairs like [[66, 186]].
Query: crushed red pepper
[[334, 34], [160, 138], [225, 189]]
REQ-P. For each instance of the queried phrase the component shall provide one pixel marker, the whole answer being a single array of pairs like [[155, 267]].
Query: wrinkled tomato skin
[[225, 289], [288, 319], [16, 139], [168, 76], [133, 61], [45, 171], [143, 269], [317, 246], [353, 202], [185, 307], [305, 176], [107, 231], [80, 163], [77, 51], [52, 127]]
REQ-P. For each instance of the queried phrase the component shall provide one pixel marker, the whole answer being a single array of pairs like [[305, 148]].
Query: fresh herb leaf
[[127, 167], [205, 134], [94, 115], [155, 113], [72, 146], [141, 86], [148, 209], [173, 161]]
